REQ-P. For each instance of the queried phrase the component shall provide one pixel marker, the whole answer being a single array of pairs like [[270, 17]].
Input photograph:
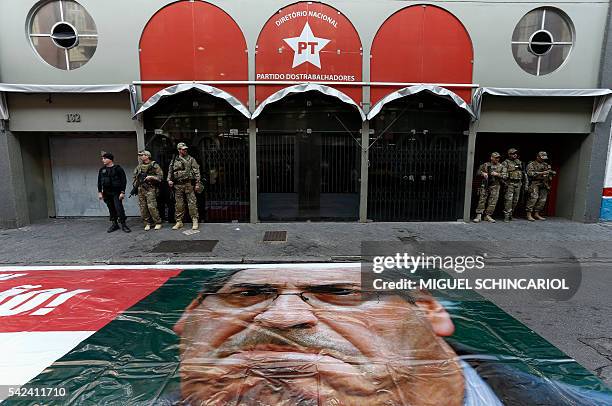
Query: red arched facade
[[193, 41], [309, 42], [422, 44]]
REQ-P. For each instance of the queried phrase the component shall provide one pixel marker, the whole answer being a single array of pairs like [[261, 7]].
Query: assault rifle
[[484, 183], [548, 178], [140, 180]]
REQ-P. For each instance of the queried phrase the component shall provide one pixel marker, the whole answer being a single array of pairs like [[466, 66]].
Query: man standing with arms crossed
[[184, 170], [111, 189]]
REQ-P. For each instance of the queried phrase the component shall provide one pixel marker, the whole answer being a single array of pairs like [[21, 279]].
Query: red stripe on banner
[[84, 300], [607, 191]]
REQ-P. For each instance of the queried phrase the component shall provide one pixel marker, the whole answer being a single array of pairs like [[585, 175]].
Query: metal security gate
[[217, 137], [75, 161], [308, 160], [417, 162], [308, 176], [224, 166]]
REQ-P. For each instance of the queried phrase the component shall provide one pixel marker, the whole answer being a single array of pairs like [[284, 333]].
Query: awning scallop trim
[[412, 90], [213, 91], [307, 87]]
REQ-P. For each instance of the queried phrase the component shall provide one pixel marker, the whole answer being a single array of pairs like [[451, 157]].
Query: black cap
[[108, 155]]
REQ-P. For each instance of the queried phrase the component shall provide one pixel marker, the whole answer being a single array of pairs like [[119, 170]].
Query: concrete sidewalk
[[581, 326], [85, 241]]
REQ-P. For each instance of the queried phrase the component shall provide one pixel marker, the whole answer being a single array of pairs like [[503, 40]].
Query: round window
[[63, 34], [542, 40]]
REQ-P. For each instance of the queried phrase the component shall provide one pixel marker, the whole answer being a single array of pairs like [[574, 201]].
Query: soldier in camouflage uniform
[[540, 175], [514, 183], [492, 173], [147, 177], [184, 170]]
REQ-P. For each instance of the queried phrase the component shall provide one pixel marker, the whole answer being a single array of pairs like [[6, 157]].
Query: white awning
[[411, 90], [213, 91], [307, 87], [601, 105], [33, 88]]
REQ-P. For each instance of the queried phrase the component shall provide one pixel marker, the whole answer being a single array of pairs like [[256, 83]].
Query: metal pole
[[140, 133], [363, 194], [469, 172], [253, 170]]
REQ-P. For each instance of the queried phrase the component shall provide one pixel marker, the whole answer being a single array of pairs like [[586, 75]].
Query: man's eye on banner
[[274, 335]]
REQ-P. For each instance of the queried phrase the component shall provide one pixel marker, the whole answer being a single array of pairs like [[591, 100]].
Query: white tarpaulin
[[601, 105], [410, 90], [32, 88], [213, 91], [307, 87]]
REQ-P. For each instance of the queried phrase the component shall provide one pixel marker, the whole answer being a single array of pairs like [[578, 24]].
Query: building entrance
[[417, 161], [217, 136], [308, 160]]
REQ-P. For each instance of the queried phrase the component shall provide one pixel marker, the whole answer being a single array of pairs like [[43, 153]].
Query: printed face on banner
[[308, 42], [312, 337], [269, 335]]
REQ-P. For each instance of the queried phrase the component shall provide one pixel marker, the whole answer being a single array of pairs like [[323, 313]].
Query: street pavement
[[580, 326]]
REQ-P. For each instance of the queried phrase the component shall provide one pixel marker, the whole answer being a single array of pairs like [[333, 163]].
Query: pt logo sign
[[306, 47], [308, 42]]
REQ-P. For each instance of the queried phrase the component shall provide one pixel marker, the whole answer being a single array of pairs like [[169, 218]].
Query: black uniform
[[111, 183]]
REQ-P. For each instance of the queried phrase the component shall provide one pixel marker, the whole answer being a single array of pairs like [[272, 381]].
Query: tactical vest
[[488, 168], [515, 169], [144, 170]]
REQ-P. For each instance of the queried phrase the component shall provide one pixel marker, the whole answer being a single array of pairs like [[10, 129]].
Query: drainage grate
[[275, 236], [182, 246]]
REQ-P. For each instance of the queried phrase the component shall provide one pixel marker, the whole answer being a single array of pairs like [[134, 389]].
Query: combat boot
[[195, 224], [529, 216], [478, 218], [125, 228], [536, 215], [507, 218], [158, 226], [489, 219], [179, 224], [147, 227], [113, 227]]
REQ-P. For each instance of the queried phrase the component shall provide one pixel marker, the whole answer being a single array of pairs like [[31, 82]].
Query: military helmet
[[543, 154], [181, 145], [512, 151], [144, 153], [495, 155]]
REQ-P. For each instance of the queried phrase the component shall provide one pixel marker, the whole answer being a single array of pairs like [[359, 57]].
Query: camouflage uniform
[[514, 183], [148, 191], [539, 186], [182, 171], [489, 194]]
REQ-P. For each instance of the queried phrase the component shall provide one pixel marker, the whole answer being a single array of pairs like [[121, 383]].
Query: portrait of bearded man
[[311, 336]]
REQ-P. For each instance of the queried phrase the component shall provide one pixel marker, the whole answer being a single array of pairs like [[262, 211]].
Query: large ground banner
[[266, 335]]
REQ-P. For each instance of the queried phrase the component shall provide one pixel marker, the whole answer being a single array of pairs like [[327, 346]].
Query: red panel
[[422, 44], [335, 43], [607, 192], [193, 41], [92, 298]]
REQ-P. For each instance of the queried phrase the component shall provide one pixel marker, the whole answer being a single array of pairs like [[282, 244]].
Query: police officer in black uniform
[[111, 189]]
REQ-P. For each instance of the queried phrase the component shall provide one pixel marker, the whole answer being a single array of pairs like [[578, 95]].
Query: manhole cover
[[182, 246], [275, 236]]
